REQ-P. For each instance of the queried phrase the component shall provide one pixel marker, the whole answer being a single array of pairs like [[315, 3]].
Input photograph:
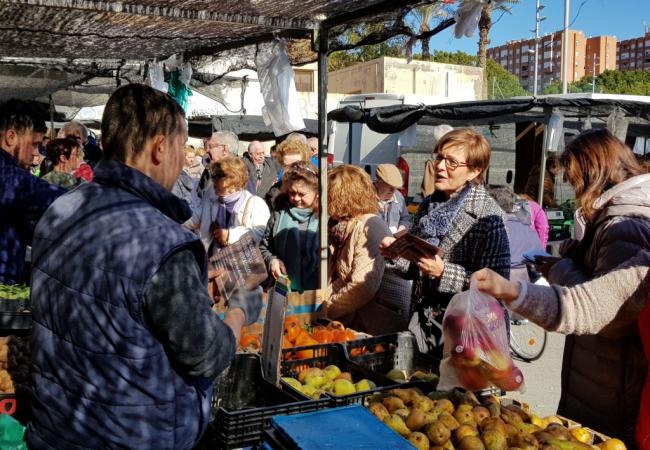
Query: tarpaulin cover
[[394, 119]]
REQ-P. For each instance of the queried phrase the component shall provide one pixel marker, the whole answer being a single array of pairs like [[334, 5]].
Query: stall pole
[[322, 152], [542, 168]]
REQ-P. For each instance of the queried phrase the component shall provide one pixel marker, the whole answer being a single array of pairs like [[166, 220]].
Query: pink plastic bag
[[476, 352]]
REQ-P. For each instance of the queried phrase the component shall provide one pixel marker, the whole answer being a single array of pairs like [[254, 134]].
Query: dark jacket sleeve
[[266, 245], [31, 197], [178, 310]]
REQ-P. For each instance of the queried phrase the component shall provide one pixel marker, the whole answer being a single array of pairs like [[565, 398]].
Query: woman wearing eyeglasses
[[463, 220], [63, 157]]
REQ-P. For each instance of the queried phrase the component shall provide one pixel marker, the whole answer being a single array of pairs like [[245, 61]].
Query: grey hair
[[83, 130], [297, 137], [228, 138], [253, 144]]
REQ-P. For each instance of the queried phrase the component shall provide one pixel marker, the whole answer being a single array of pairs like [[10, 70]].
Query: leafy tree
[[610, 82], [341, 59]]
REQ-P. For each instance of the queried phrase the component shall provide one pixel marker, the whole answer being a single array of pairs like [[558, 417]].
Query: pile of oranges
[[297, 336]]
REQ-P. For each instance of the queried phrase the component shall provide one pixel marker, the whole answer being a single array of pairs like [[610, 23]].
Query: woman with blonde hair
[[231, 212], [605, 372], [464, 221], [356, 266]]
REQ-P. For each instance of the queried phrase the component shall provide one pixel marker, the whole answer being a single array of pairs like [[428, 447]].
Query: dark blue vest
[[101, 378]]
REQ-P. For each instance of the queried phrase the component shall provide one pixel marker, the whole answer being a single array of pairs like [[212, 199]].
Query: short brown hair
[[134, 114], [350, 193], [595, 161], [477, 149], [293, 147], [233, 169], [300, 172]]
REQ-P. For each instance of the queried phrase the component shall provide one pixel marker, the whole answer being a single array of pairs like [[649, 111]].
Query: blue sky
[[621, 18]]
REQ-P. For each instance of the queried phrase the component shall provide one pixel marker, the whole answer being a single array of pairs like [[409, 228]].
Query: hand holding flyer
[[411, 248]]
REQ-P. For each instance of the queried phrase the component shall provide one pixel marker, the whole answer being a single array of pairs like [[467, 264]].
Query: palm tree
[[484, 25], [425, 14]]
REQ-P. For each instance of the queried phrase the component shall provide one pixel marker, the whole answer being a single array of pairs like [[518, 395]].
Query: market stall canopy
[[247, 128], [47, 46], [394, 119]]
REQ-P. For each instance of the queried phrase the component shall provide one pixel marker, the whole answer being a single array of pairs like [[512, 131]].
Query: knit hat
[[390, 174]]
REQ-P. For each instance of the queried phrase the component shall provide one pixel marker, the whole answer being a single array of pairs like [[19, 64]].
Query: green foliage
[[609, 82], [460, 58], [338, 60], [501, 83]]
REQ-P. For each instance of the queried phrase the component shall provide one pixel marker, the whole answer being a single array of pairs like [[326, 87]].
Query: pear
[[292, 382], [444, 405], [464, 430], [559, 431], [419, 440], [480, 413], [309, 371], [393, 404], [403, 413], [612, 444], [471, 443], [344, 376], [406, 395], [437, 433], [525, 417], [494, 440], [423, 403], [397, 424], [416, 420], [464, 415], [379, 411], [571, 445], [493, 423], [449, 421], [524, 441]]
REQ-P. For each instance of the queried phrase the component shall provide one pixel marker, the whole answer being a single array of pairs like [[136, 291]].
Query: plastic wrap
[[476, 352], [281, 103]]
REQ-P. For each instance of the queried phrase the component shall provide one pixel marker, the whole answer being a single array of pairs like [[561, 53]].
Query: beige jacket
[[355, 272]]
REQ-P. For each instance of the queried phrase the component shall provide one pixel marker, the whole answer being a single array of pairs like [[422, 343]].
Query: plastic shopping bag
[[476, 352]]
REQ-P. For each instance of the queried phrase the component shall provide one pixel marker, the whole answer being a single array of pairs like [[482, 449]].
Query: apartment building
[[634, 54], [518, 57]]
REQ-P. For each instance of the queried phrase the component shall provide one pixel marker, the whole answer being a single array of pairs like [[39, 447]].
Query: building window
[[548, 55], [524, 58], [304, 80]]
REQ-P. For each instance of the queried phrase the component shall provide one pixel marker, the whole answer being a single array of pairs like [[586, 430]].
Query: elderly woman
[[356, 266], [604, 373], [62, 157], [290, 243], [463, 220], [288, 152], [230, 212]]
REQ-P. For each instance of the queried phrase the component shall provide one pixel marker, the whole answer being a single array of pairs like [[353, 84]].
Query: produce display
[[314, 382], [402, 376], [6, 384], [457, 420], [14, 292]]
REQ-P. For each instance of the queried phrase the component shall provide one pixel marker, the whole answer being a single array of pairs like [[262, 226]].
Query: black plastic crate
[[15, 315], [335, 354], [398, 351], [244, 402]]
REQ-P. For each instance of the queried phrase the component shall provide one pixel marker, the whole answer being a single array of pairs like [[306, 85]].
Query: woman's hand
[[432, 267], [277, 268], [495, 285], [221, 235], [385, 243]]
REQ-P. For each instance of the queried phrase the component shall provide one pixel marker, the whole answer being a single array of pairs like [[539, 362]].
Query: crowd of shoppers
[[163, 209]]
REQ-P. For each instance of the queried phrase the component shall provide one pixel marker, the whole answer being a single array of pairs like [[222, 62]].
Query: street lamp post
[[565, 52], [593, 75], [538, 19]]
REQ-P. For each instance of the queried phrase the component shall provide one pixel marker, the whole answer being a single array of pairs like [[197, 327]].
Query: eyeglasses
[[450, 163]]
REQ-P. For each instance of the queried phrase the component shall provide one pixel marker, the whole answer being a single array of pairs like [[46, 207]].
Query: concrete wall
[[446, 82]]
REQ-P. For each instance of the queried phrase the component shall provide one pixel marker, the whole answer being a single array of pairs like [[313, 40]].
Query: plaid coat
[[477, 239]]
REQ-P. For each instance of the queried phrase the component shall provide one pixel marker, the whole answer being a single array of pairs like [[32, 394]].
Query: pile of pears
[[435, 422], [314, 382]]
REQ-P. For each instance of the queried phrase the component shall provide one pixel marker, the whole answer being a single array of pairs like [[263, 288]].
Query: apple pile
[[314, 382], [476, 348]]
